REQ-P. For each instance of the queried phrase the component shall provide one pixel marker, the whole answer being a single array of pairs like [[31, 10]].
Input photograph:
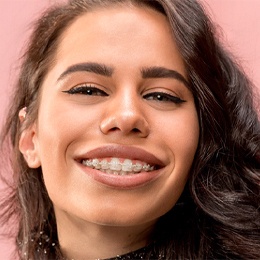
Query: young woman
[[132, 135]]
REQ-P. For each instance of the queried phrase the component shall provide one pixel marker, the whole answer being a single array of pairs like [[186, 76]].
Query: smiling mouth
[[118, 166]]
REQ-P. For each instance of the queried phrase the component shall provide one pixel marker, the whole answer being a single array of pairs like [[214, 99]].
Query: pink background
[[239, 27]]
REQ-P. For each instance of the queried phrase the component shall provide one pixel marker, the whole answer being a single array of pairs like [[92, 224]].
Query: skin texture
[[90, 213]]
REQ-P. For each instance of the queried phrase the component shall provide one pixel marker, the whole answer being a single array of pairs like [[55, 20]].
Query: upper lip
[[121, 151]]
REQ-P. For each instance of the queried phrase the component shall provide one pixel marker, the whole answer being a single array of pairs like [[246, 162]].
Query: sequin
[[45, 245]]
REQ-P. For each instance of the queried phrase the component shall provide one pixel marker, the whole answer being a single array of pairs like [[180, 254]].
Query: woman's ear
[[29, 148]]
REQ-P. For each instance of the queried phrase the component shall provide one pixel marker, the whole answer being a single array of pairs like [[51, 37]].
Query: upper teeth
[[116, 166]]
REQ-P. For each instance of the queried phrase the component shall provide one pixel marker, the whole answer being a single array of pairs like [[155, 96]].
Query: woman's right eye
[[88, 90]]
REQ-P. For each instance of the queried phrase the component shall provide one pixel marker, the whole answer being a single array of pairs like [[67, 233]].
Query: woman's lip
[[122, 182], [121, 151], [131, 181]]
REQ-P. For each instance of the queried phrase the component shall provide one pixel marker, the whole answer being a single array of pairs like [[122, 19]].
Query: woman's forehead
[[117, 35]]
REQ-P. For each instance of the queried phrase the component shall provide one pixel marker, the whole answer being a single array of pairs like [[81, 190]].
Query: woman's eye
[[86, 90], [163, 97]]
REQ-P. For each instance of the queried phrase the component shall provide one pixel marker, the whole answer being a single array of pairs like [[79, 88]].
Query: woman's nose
[[124, 115]]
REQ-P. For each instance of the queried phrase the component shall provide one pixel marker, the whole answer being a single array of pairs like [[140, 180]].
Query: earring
[[22, 114]]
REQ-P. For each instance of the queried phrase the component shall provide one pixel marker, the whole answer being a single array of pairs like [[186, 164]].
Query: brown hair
[[218, 214]]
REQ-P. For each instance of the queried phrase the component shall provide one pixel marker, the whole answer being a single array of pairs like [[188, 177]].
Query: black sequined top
[[147, 252]]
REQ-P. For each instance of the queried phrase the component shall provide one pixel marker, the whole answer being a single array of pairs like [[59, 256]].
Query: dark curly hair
[[217, 215]]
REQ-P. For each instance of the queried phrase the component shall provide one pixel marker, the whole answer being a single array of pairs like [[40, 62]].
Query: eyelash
[[161, 96], [156, 96], [86, 90]]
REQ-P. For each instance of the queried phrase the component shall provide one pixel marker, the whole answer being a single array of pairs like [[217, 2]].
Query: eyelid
[[164, 91], [170, 90]]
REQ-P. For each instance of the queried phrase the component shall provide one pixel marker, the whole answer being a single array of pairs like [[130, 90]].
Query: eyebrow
[[93, 67], [161, 72], [107, 71]]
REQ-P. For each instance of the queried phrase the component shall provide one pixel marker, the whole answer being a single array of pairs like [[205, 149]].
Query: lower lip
[[122, 181]]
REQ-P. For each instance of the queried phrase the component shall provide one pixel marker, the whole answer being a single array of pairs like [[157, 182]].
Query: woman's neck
[[80, 240]]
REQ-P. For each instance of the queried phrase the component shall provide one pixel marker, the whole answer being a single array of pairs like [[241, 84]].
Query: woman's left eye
[[163, 97], [86, 90]]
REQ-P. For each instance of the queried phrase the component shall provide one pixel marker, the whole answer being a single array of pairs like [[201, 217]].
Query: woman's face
[[117, 128]]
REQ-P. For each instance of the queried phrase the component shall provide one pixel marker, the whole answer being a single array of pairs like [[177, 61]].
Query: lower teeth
[[117, 172]]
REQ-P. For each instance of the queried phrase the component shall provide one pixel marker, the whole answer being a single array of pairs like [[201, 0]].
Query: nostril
[[114, 129], [136, 130]]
